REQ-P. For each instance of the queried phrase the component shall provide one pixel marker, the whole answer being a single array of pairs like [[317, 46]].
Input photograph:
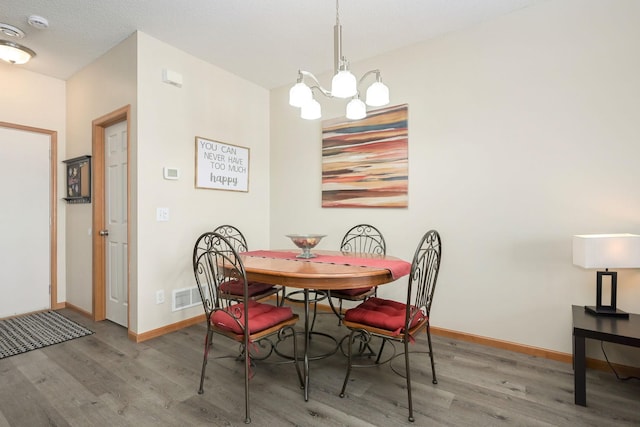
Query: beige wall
[[34, 100], [523, 132], [100, 88], [212, 104]]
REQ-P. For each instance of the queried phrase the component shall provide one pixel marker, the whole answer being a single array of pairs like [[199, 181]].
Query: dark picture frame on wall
[[78, 174]]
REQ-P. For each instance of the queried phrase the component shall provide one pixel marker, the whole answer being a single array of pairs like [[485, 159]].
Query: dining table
[[327, 270]]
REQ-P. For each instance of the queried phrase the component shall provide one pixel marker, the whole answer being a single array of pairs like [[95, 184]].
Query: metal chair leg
[[315, 311], [280, 300], [295, 354], [346, 378], [408, 374], [207, 346], [337, 312], [247, 362], [380, 351], [433, 366]]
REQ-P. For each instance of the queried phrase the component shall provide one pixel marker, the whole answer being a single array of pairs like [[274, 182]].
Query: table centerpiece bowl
[[306, 242]]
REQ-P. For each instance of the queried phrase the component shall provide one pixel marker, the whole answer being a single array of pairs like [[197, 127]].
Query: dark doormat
[[32, 331]]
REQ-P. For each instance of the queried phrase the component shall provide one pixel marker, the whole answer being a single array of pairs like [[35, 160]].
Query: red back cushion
[[234, 287], [261, 316], [382, 313]]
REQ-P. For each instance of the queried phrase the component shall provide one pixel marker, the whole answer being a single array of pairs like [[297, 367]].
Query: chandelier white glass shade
[[377, 94], [356, 109], [13, 53], [311, 110], [300, 94], [344, 85]]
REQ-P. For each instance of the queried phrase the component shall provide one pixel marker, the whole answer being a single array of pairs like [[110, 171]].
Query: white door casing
[[117, 296], [25, 247]]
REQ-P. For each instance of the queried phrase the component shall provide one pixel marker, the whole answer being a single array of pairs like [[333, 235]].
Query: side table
[[604, 328]]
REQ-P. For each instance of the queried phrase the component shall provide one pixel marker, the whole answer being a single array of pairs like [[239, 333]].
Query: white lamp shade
[[606, 250], [356, 109], [299, 95], [311, 110], [344, 84], [13, 53], [377, 94]]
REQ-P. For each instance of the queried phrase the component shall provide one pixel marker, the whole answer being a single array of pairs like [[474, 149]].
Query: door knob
[[104, 232]]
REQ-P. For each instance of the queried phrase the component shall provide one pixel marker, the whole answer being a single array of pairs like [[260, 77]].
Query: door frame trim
[[53, 207], [99, 300]]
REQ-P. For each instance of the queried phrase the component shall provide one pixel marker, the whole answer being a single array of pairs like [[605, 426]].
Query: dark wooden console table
[[604, 328]]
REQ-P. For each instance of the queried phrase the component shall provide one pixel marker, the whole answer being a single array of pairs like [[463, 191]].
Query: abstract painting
[[365, 163]]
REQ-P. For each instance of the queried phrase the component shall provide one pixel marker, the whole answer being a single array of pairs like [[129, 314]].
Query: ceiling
[[263, 41]]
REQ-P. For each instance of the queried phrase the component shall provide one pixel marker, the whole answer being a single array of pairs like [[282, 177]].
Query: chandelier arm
[[317, 85], [364, 76]]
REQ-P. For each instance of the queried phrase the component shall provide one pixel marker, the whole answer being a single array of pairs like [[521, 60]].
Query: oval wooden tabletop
[[301, 273]]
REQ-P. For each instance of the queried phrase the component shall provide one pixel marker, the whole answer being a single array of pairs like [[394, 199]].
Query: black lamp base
[[605, 311]]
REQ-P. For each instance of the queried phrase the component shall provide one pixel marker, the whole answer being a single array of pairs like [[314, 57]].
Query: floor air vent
[[185, 298]]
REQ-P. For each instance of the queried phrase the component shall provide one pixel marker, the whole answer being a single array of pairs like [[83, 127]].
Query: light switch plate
[[162, 214]]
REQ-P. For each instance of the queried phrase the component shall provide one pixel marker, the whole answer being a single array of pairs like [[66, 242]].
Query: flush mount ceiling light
[[13, 53], [343, 85]]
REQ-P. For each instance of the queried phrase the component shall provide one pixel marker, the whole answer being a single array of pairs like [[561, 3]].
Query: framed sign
[[78, 180], [221, 166]]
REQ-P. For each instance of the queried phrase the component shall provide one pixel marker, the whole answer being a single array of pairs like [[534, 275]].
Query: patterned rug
[[32, 331]]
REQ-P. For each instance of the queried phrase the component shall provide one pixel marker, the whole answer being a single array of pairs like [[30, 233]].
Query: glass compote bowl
[[306, 242]]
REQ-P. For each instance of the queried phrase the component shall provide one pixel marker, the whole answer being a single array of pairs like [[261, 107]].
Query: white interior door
[[117, 301], [24, 222]]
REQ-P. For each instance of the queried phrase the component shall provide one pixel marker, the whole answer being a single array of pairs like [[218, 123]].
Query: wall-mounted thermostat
[[171, 173]]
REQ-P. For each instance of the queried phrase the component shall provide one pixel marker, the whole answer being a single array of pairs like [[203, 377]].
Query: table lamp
[[606, 251]]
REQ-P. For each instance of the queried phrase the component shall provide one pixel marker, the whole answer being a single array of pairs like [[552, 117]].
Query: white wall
[[34, 100], [212, 104], [523, 131]]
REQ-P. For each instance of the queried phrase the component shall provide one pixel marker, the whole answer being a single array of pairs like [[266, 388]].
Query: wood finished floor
[[106, 380]]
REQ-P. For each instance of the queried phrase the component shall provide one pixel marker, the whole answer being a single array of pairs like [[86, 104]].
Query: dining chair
[[363, 239], [394, 321], [245, 322], [257, 290]]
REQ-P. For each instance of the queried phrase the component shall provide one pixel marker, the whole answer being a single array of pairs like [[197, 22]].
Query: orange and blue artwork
[[365, 163]]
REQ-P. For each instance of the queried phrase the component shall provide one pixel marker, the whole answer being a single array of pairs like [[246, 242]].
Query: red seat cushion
[[261, 317], [234, 287], [382, 313], [351, 292]]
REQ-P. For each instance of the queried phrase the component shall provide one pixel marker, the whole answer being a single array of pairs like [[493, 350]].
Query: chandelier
[[343, 85]]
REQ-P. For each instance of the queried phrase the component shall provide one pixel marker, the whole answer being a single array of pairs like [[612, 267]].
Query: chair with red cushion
[[360, 239], [216, 263], [233, 291], [393, 321]]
